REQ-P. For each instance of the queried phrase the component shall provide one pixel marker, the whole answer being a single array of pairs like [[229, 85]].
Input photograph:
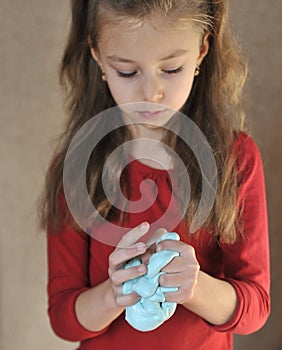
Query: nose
[[153, 90]]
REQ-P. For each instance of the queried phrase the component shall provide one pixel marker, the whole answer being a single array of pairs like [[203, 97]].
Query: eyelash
[[126, 75], [174, 71], [131, 75]]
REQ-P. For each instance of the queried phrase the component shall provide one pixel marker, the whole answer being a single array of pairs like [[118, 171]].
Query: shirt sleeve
[[67, 277], [246, 263]]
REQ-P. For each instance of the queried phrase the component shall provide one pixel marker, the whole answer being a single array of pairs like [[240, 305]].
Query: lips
[[150, 114]]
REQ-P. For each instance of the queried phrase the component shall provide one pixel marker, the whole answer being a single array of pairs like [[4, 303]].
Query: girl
[[179, 54]]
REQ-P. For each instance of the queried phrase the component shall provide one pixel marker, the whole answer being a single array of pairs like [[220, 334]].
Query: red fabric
[[77, 262]]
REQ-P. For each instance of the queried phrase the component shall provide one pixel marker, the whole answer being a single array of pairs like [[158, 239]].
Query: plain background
[[32, 37]]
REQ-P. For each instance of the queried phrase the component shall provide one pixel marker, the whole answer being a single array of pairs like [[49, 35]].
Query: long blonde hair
[[214, 105]]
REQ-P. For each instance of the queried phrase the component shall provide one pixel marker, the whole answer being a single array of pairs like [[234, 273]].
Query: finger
[[176, 265], [171, 280], [121, 276], [119, 256], [133, 235], [171, 297], [145, 258], [128, 299], [155, 236], [182, 295], [184, 249]]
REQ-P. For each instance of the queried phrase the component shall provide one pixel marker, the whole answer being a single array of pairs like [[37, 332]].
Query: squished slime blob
[[151, 310]]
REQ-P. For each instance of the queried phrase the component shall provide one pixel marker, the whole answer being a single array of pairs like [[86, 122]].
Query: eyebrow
[[177, 53]]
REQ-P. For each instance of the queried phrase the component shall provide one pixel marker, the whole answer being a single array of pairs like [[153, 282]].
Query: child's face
[[150, 64]]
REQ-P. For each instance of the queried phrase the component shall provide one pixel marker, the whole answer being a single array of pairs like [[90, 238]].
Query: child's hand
[[181, 272], [151, 246], [126, 250]]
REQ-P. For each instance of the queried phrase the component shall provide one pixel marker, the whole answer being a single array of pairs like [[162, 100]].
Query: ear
[[96, 56], [94, 53], [204, 49]]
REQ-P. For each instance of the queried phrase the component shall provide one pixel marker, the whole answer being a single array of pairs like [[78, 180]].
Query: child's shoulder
[[242, 139], [244, 145], [247, 153]]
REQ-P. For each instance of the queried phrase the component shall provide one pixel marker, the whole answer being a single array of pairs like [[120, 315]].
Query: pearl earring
[[104, 76], [197, 71]]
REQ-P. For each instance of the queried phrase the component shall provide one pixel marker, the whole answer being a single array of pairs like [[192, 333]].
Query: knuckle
[[184, 295], [193, 270], [188, 249], [196, 269], [112, 260], [110, 272], [115, 278]]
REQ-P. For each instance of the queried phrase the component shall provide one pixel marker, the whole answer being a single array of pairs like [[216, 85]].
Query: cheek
[[123, 90], [180, 93], [120, 91]]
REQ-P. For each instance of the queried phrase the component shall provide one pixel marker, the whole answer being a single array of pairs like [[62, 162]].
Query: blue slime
[[151, 310]]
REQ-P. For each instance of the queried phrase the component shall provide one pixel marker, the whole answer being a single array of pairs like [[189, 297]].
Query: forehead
[[156, 34]]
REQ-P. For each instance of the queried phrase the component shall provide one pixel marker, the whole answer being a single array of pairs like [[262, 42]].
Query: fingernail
[[141, 268], [140, 247], [143, 225]]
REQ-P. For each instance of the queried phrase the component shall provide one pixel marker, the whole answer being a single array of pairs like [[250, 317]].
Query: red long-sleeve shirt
[[78, 262]]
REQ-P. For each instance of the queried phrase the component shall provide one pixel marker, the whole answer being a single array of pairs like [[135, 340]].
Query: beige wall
[[32, 36], [257, 22]]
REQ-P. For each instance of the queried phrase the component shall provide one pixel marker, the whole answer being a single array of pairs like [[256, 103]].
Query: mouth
[[150, 114]]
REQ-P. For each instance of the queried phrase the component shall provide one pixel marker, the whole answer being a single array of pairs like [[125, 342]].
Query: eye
[[126, 75], [173, 71]]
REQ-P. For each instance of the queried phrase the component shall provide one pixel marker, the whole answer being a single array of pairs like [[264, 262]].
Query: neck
[[151, 151]]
